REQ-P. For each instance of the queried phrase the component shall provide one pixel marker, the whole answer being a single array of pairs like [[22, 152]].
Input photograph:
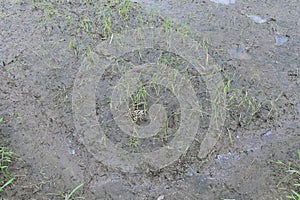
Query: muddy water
[[40, 59]]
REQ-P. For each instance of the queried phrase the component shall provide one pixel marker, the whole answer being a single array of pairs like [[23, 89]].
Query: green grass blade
[[297, 194], [7, 183], [73, 191]]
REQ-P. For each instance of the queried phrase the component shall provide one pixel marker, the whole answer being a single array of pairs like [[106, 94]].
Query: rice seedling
[[69, 195], [292, 179], [5, 160]]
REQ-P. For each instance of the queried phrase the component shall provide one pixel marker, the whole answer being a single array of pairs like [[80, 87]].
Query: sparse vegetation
[[243, 103], [69, 195], [6, 156], [291, 181], [77, 27]]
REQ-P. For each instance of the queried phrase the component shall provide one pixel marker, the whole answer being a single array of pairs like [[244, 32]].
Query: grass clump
[[292, 178], [69, 195], [6, 157], [5, 160]]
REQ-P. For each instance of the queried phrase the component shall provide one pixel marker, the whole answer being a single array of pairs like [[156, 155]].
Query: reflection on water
[[280, 40], [258, 19], [225, 2]]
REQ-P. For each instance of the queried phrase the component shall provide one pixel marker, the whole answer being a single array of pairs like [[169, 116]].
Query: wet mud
[[43, 45]]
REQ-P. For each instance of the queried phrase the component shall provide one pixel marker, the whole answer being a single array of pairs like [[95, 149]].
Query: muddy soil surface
[[256, 48]]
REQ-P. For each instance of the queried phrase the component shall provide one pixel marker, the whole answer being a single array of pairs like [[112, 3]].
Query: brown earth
[[43, 45]]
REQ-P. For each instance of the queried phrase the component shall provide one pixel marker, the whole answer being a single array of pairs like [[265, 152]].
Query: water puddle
[[268, 133], [224, 2], [258, 19], [280, 40]]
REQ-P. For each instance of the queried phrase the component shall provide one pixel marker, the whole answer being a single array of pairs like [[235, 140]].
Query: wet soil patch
[[152, 93], [43, 43]]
